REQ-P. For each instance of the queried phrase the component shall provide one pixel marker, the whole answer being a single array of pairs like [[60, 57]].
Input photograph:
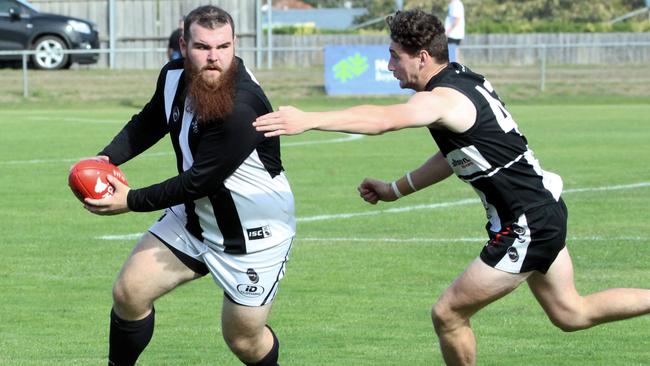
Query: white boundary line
[[410, 240], [464, 240], [609, 188], [390, 210], [75, 120], [68, 160], [347, 138], [431, 206], [458, 203]]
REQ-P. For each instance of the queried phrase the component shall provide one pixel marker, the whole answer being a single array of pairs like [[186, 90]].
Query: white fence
[[491, 49], [507, 54]]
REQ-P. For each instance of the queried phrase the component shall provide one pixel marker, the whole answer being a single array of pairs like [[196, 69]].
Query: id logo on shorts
[[252, 275], [250, 290], [513, 254], [257, 233]]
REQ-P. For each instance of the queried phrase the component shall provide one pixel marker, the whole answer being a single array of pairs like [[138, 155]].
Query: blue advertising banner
[[359, 70]]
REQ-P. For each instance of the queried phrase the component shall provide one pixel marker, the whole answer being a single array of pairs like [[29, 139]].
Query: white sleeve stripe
[[172, 79]]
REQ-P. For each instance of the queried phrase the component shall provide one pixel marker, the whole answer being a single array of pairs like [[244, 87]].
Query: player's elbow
[[199, 186], [382, 127]]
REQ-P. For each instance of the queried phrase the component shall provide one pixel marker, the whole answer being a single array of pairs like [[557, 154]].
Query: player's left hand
[[114, 204], [373, 191], [103, 158], [286, 121]]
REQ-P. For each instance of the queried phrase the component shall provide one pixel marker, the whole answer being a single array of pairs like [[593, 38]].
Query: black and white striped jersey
[[230, 184], [493, 156]]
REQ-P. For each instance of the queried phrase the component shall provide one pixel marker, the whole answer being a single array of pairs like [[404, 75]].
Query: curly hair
[[417, 30], [208, 16]]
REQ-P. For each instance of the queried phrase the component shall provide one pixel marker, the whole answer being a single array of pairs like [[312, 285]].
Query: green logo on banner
[[350, 67]]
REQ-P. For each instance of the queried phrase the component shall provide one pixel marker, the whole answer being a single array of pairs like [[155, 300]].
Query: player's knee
[[569, 320], [120, 294], [241, 345], [443, 318], [125, 297], [568, 326], [569, 323]]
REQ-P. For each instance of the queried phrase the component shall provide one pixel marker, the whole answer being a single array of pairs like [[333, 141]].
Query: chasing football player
[[480, 142], [229, 212]]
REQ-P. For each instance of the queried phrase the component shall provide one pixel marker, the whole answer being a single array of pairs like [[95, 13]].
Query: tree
[[376, 10], [518, 15], [505, 15]]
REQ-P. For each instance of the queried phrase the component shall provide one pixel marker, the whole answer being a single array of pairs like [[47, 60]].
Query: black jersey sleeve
[[222, 148], [143, 130]]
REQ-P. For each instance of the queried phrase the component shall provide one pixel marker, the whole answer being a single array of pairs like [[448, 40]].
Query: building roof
[[323, 18], [290, 4]]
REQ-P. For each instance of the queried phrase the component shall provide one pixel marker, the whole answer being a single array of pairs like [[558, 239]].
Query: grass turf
[[358, 289]]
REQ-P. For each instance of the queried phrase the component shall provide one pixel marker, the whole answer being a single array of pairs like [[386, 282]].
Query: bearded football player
[[229, 212]]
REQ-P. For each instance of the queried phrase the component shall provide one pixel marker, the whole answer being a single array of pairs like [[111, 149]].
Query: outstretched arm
[[434, 170], [444, 107], [422, 109]]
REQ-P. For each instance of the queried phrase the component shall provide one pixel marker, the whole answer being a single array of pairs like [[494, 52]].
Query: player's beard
[[210, 99]]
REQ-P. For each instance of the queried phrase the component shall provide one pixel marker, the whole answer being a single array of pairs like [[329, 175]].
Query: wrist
[[129, 197], [315, 120], [409, 180], [396, 192]]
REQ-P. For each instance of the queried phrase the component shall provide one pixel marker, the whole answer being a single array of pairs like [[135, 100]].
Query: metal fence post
[[111, 34], [542, 67], [269, 17], [259, 34], [25, 78]]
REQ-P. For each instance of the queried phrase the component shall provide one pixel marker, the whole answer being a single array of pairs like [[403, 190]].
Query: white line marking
[[431, 206], [347, 138], [457, 240], [412, 240], [40, 161], [390, 210], [609, 188], [120, 237], [68, 160], [75, 120], [456, 203]]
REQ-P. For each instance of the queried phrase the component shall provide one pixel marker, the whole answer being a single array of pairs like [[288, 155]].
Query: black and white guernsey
[[231, 184], [493, 156]]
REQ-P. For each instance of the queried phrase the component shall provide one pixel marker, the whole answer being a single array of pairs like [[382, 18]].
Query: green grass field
[[361, 279]]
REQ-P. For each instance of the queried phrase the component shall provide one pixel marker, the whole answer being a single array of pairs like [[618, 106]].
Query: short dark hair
[[208, 16], [417, 30]]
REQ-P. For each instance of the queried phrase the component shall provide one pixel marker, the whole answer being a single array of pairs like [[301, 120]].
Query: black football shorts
[[531, 243]]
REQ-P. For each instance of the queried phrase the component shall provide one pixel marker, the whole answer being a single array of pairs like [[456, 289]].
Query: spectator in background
[[455, 28], [174, 46]]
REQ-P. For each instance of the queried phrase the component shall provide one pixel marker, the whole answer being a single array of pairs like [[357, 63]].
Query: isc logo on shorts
[[250, 290], [259, 232]]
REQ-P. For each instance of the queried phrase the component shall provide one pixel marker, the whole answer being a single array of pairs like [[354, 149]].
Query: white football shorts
[[247, 279]]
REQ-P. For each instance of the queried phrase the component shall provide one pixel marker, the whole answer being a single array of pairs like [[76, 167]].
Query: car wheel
[[49, 55]]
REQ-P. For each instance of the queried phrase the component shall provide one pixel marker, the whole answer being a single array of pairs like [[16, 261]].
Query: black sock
[[271, 358], [128, 339]]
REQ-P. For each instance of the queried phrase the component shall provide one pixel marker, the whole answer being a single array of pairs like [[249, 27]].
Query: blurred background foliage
[[523, 16]]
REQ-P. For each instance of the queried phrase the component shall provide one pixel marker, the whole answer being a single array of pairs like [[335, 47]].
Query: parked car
[[23, 27]]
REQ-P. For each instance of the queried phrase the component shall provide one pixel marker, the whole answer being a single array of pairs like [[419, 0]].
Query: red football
[[87, 178]]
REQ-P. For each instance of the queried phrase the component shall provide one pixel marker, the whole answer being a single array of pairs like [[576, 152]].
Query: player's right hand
[[373, 191], [286, 121], [113, 204]]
